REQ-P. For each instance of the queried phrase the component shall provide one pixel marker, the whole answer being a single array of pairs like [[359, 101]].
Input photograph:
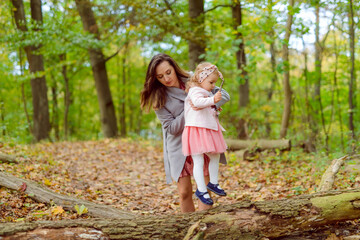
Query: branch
[[44, 195], [113, 55], [217, 6], [327, 180]]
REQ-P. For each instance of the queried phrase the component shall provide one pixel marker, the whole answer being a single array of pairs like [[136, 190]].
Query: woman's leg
[[185, 194], [214, 167]]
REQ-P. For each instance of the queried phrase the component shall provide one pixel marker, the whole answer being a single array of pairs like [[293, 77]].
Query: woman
[[164, 91]]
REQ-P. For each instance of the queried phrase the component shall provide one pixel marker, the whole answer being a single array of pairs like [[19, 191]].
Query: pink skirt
[[197, 140]]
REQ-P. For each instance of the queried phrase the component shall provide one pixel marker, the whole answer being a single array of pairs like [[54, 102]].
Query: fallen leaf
[[57, 210], [23, 187]]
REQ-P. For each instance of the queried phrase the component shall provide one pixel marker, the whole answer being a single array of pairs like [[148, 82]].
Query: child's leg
[[198, 172], [214, 167], [213, 185]]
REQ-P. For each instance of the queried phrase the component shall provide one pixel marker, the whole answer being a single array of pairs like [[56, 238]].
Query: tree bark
[[197, 18], [286, 82], [241, 64], [352, 70], [261, 144], [98, 64], [44, 195], [242, 220], [41, 117]]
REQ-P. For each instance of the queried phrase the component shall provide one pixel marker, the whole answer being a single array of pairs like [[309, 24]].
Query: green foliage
[[139, 29], [81, 210]]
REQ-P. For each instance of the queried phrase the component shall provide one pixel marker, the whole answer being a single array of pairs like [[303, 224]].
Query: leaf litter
[[128, 174]]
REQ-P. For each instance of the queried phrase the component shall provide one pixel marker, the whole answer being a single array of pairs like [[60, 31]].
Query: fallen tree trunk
[[7, 158], [41, 194], [261, 144], [246, 154], [242, 220], [328, 178]]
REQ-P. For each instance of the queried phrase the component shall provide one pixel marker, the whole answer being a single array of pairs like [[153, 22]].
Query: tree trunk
[[44, 195], [242, 220], [261, 144], [274, 77], [318, 73], [55, 110], [352, 70], [241, 64], [38, 85], [123, 102], [338, 108], [4, 158], [98, 64], [23, 96], [67, 97], [197, 18], [287, 88], [2, 116]]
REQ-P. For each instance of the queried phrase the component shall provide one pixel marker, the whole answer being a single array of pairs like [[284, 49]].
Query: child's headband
[[207, 71]]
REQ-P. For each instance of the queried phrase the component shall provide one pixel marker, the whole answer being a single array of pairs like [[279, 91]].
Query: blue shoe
[[216, 189], [200, 195]]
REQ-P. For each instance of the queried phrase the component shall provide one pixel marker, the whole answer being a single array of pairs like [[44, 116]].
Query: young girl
[[203, 132]]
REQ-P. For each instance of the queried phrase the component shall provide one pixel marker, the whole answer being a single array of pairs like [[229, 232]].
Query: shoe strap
[[202, 193]]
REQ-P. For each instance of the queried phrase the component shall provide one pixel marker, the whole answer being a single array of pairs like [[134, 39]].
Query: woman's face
[[166, 74]]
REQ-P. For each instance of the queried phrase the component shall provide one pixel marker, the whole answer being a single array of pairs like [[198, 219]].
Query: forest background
[[290, 67]]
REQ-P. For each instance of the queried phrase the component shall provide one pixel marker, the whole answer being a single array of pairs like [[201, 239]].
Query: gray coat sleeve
[[171, 124], [225, 97]]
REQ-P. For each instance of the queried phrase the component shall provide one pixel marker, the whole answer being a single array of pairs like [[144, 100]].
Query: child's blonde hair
[[194, 79]]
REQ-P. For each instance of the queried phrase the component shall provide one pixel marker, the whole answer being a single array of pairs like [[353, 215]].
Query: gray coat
[[172, 119]]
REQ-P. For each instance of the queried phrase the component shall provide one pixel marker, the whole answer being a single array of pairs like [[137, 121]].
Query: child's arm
[[199, 100]]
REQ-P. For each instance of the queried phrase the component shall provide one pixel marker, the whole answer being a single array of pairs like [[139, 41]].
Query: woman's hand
[[217, 97], [193, 107]]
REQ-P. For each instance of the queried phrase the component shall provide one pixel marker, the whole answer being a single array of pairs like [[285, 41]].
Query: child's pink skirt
[[197, 140]]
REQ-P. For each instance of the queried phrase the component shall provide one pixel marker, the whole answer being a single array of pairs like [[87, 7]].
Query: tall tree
[[274, 76], [197, 23], [241, 64], [41, 117], [352, 69], [67, 97], [98, 64], [286, 81]]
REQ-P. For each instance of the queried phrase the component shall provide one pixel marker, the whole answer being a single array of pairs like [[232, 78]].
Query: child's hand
[[217, 97]]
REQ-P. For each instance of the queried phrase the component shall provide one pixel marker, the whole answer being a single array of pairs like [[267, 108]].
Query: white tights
[[198, 170]]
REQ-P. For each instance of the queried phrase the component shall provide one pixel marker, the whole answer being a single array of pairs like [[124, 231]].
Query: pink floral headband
[[207, 71]]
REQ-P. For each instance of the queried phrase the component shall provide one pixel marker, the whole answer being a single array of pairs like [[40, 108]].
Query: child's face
[[209, 82]]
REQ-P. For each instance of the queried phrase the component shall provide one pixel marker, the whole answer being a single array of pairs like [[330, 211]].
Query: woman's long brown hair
[[153, 94]]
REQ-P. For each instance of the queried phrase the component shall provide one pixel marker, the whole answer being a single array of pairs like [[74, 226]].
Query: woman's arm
[[225, 97], [171, 124]]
